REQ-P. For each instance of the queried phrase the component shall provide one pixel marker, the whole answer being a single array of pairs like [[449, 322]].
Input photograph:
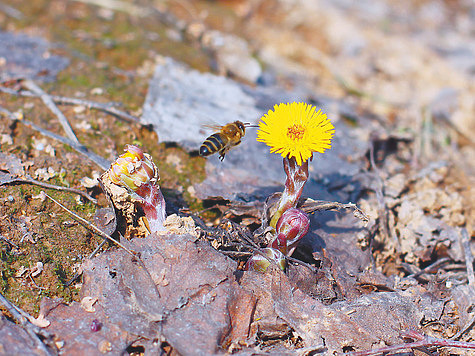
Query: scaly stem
[[296, 178], [153, 205]]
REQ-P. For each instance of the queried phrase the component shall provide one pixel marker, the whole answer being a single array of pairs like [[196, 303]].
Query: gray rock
[[26, 57]]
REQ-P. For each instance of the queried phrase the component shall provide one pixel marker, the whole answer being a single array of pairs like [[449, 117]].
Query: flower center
[[295, 132]]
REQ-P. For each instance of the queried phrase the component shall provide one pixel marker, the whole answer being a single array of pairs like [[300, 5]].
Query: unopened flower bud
[[260, 263], [290, 228], [133, 169]]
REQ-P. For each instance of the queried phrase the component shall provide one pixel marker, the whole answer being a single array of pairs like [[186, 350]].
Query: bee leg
[[221, 156]]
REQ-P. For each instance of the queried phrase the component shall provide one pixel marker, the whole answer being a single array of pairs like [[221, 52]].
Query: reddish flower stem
[[153, 205], [296, 178]]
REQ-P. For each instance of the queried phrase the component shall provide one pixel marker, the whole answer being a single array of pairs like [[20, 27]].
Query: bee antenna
[[248, 124]]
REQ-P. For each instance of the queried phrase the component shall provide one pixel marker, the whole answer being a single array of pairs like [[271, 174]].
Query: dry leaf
[[40, 321], [37, 269], [87, 304]]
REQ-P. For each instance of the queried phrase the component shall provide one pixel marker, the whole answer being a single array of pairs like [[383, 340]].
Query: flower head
[[133, 169], [296, 130]]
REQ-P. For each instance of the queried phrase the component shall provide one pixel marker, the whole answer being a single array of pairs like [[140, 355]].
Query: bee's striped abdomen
[[212, 144]]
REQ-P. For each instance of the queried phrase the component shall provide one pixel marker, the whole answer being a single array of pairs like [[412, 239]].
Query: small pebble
[[95, 325]]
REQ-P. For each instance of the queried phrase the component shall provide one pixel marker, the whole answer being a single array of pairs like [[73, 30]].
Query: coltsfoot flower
[[296, 130], [290, 228], [260, 263]]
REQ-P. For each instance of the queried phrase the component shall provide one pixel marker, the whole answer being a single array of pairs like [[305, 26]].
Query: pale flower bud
[[133, 169], [260, 263]]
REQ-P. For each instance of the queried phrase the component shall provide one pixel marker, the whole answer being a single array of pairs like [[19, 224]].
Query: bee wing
[[213, 127]]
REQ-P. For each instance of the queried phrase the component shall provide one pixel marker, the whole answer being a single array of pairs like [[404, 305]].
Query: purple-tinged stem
[[296, 178], [135, 171], [153, 205]]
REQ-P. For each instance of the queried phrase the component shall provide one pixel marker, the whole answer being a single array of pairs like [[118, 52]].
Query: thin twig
[[467, 327], [77, 274], [431, 267], [465, 240], [93, 253], [54, 109], [23, 318], [8, 241], [165, 17], [119, 5], [305, 264], [34, 283], [237, 254], [11, 11], [92, 227], [422, 341], [51, 186], [100, 161], [110, 108], [311, 206]]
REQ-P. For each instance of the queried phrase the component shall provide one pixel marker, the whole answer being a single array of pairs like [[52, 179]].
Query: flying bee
[[228, 136]]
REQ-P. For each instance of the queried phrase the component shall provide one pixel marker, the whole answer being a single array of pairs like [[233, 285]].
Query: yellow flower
[[296, 130]]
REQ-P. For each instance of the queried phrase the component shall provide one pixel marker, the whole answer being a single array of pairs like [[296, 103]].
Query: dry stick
[[422, 341], [11, 11], [321, 205], [35, 284], [109, 108], [467, 327], [100, 161], [77, 274], [8, 241], [23, 319], [51, 186], [309, 266], [119, 5], [236, 253], [468, 257], [164, 17], [430, 268], [92, 227], [93, 253], [52, 106]]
